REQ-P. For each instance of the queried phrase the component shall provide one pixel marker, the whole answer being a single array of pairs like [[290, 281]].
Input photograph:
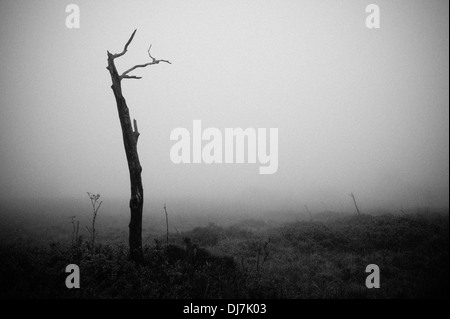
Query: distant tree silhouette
[[130, 137], [354, 201]]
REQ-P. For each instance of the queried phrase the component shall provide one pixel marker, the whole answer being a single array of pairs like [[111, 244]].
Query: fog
[[357, 110]]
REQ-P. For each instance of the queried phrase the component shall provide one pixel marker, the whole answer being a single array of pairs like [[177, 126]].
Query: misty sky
[[358, 110]]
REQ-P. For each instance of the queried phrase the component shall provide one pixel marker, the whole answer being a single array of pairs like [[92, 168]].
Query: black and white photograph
[[224, 154]]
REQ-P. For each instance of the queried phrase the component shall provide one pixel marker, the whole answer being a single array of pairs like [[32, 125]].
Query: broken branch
[[136, 131]]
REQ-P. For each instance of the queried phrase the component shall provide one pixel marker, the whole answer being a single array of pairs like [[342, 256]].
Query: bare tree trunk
[[130, 139]]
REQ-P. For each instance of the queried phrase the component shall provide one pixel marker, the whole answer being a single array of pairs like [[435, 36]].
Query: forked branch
[[154, 61], [125, 49]]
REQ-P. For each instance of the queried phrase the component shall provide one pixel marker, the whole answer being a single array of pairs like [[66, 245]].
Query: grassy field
[[324, 257]]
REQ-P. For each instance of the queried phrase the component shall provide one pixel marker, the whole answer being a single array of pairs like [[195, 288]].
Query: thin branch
[[126, 46], [167, 223], [149, 54], [135, 67], [98, 207], [130, 77], [354, 201], [154, 61], [125, 76]]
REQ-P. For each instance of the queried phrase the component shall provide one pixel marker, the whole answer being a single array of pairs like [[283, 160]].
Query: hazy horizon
[[358, 110]]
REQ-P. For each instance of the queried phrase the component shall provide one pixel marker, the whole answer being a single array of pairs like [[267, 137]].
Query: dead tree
[[354, 201], [130, 137], [167, 224], [95, 207]]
